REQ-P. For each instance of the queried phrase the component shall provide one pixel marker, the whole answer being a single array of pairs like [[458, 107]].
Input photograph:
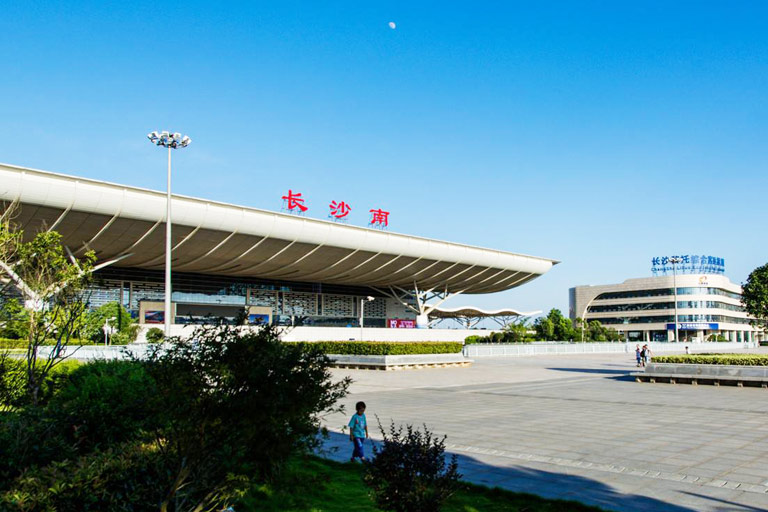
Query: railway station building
[[278, 267]]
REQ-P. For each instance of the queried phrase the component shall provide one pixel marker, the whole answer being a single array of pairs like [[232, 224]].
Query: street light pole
[[362, 313], [167, 308], [674, 262], [171, 141]]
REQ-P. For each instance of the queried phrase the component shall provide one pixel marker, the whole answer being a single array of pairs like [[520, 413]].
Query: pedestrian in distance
[[638, 355], [645, 354], [358, 431]]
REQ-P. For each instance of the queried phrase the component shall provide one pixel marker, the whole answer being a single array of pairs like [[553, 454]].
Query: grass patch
[[311, 484], [729, 359]]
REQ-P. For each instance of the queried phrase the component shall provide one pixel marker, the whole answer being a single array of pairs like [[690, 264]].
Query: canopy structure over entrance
[[127, 224], [470, 316]]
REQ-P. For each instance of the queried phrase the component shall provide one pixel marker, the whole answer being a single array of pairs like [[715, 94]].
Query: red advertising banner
[[398, 323]]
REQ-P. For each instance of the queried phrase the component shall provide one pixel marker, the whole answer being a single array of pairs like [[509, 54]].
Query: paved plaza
[[578, 427]]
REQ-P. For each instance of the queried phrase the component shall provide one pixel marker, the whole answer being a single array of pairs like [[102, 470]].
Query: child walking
[[358, 431]]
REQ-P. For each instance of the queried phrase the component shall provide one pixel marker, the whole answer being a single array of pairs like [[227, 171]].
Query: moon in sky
[[392, 25]]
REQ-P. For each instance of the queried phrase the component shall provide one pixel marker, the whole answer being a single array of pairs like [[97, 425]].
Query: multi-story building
[[708, 307]]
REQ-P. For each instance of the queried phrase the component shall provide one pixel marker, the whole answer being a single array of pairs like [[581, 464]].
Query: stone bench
[[704, 373]]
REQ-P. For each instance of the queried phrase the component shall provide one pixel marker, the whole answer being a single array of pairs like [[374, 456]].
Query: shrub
[[29, 438], [178, 430], [124, 478], [373, 348], [409, 472], [231, 401], [469, 340], [155, 335], [727, 359], [13, 381], [126, 336], [105, 402]]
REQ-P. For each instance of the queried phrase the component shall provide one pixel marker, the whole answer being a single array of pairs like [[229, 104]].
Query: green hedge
[[6, 343], [374, 348], [733, 359]]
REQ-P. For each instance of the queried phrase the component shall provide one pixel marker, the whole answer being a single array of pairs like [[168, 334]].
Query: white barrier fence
[[88, 352], [564, 348], [353, 333]]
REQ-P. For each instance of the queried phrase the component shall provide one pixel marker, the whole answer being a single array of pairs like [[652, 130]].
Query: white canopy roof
[[475, 312], [210, 237]]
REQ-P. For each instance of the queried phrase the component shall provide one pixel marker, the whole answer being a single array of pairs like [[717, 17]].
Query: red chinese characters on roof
[[294, 201], [379, 218], [339, 210]]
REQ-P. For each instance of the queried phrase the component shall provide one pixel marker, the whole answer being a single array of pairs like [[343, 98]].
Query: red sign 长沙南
[[379, 217], [339, 209], [294, 201]]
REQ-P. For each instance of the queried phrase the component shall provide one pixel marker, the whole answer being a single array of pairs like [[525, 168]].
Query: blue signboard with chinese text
[[693, 326], [687, 264]]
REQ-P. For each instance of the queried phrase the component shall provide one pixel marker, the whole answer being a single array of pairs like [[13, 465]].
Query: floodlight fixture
[[169, 140]]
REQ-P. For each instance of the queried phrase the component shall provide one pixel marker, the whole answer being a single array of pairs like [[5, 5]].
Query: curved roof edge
[[180, 202], [473, 311], [297, 247]]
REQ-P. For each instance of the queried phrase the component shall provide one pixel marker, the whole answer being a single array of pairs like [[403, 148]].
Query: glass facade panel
[[643, 306], [292, 303], [671, 319], [664, 292]]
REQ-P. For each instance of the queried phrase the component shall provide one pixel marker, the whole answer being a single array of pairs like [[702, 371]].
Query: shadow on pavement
[[519, 479], [593, 370], [731, 504]]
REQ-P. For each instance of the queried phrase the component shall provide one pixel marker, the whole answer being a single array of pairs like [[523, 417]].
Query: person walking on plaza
[[358, 431], [645, 354], [638, 355]]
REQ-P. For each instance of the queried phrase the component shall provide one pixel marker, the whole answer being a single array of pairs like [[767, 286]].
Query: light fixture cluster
[[168, 139]]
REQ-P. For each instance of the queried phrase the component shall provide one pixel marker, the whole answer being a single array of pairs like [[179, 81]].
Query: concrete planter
[[418, 361], [704, 374]]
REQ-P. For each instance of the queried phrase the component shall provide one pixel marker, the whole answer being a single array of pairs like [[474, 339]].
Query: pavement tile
[[518, 417]]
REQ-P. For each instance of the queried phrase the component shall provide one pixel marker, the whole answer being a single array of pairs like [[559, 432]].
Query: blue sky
[[600, 134]]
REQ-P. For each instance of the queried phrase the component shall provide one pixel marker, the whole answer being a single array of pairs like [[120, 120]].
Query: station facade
[[277, 267]]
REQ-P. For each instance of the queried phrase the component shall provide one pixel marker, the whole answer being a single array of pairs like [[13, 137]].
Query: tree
[[119, 319], [13, 320], [517, 331], [595, 331], [754, 296], [51, 285], [545, 329], [555, 327]]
